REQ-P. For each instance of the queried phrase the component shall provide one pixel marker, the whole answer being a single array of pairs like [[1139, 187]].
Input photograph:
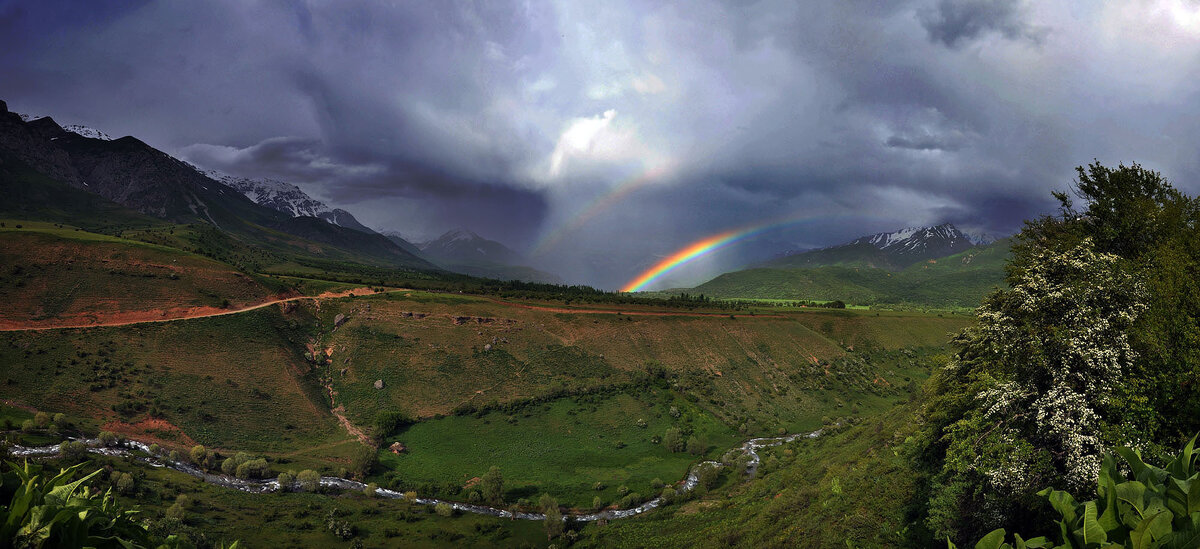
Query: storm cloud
[[622, 131]]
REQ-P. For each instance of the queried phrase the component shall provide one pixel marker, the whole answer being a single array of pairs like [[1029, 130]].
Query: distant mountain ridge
[[132, 174], [894, 250], [466, 252], [461, 245], [959, 280], [287, 198]]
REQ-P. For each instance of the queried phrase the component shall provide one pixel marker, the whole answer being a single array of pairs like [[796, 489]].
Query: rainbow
[[706, 246], [603, 202]]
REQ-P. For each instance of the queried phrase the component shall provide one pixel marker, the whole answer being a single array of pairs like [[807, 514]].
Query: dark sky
[[510, 119]]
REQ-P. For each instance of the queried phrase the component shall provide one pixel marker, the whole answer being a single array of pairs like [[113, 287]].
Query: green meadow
[[563, 447]]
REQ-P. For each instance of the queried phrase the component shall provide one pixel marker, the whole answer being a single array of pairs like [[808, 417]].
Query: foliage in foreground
[[1151, 508], [1092, 346], [56, 511]]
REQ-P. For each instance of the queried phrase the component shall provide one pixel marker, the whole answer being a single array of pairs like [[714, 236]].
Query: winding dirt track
[[166, 315], [127, 318]]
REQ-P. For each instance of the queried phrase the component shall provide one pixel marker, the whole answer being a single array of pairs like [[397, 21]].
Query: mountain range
[[893, 251], [47, 167], [929, 266], [463, 251]]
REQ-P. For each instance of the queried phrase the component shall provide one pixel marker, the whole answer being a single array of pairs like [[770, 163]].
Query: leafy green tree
[[1093, 344], [492, 486], [123, 482], [107, 438], [254, 468], [309, 480], [286, 479], [554, 520], [695, 447], [199, 455], [673, 440], [363, 460], [41, 419]]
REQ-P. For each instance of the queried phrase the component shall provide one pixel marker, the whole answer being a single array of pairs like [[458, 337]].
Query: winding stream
[[126, 448]]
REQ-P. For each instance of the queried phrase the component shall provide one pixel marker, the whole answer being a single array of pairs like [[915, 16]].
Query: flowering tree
[[1032, 381]]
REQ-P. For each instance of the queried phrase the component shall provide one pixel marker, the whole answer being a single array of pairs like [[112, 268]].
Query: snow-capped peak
[[86, 131], [915, 239], [274, 194]]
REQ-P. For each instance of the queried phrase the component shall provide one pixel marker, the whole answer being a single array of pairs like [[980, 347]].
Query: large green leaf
[[1093, 533], [62, 494], [993, 540], [1062, 502]]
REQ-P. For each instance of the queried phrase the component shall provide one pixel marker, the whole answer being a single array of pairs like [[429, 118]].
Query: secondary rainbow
[[597, 205]]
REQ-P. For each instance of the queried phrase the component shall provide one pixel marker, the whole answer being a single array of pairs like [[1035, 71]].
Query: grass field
[[563, 447]]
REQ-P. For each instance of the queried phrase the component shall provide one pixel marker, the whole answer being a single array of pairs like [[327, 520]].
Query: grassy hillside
[[956, 281], [57, 274], [228, 382]]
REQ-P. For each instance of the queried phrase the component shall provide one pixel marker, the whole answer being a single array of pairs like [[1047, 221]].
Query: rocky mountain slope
[[287, 198]]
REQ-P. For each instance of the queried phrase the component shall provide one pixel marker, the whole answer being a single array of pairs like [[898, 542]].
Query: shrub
[[363, 460], [492, 486], [199, 455], [695, 447], [42, 419], [390, 422], [673, 440], [255, 468], [176, 512], [107, 438], [443, 509], [370, 490], [286, 480], [60, 420], [72, 450], [123, 482], [28, 425], [309, 480]]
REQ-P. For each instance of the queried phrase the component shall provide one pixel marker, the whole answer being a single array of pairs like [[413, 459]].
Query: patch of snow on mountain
[[87, 132], [277, 195]]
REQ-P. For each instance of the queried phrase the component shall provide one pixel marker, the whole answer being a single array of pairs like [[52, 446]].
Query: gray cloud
[[517, 120], [954, 22]]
